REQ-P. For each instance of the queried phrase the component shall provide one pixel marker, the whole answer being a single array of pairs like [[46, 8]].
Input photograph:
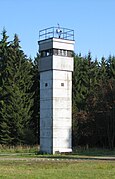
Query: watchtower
[[56, 47]]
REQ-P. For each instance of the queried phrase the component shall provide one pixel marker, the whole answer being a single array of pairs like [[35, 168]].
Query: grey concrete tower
[[56, 46]]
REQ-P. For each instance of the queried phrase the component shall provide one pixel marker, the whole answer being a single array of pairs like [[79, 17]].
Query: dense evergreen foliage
[[94, 102], [93, 98], [16, 98]]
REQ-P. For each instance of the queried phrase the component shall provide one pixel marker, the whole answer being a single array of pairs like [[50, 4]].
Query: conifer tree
[[4, 71], [35, 120], [17, 104]]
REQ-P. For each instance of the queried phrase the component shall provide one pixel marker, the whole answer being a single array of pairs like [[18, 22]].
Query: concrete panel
[[56, 62], [45, 94], [46, 104], [46, 123], [62, 150], [46, 84], [61, 93], [61, 143], [46, 75], [45, 44], [62, 75], [62, 63], [61, 113], [63, 123], [56, 43], [62, 133], [45, 64], [63, 44], [62, 84], [61, 102], [47, 132], [46, 113], [46, 145]]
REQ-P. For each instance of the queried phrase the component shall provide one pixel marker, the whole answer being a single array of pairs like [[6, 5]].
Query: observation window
[[69, 53], [57, 52], [62, 52], [46, 53]]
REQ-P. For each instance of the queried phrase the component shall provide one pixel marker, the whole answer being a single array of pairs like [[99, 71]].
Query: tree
[[105, 105], [17, 97], [80, 82], [4, 56], [94, 101], [85, 79], [35, 120]]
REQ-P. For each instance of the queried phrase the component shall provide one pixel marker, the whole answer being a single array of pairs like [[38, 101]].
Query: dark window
[[46, 84], [62, 84], [46, 53], [59, 52], [64, 53], [69, 53], [42, 53], [55, 51]]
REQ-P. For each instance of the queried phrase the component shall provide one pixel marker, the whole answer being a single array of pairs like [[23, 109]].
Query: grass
[[22, 162], [18, 149], [36, 169], [94, 152], [34, 149]]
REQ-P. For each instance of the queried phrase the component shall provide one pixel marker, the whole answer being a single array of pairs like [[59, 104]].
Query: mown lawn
[[29, 168]]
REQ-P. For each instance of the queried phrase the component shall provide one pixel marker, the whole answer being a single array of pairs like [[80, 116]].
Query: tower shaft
[[56, 66]]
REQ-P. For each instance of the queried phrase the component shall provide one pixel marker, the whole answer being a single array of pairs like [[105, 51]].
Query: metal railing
[[56, 32]]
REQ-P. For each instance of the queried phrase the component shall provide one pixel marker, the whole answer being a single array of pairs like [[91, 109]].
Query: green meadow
[[32, 168], [23, 162]]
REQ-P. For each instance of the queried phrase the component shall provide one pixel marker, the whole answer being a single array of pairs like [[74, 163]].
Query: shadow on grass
[[78, 153], [94, 152], [99, 154]]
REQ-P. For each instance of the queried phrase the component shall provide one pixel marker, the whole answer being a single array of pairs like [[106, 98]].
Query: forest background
[[93, 98]]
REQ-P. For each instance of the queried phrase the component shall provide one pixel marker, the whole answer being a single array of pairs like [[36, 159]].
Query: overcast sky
[[93, 22]]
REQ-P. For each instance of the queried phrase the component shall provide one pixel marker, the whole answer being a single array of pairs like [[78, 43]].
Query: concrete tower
[[56, 46]]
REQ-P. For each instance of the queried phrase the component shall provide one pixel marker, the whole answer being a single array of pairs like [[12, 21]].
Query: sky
[[93, 22]]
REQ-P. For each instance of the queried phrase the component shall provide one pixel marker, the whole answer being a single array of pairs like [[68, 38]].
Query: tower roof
[[56, 32]]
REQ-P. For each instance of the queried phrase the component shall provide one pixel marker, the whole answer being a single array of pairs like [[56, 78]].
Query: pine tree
[[85, 81], [17, 105], [35, 120], [81, 85], [4, 95], [106, 98], [21, 97]]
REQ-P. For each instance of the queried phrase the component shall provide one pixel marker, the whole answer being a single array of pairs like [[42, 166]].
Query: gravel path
[[2, 158]]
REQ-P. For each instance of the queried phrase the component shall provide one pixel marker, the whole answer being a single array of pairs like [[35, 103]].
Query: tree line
[[19, 96], [94, 102], [93, 98]]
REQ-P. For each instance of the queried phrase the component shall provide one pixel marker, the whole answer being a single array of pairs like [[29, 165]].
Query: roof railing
[[56, 32]]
